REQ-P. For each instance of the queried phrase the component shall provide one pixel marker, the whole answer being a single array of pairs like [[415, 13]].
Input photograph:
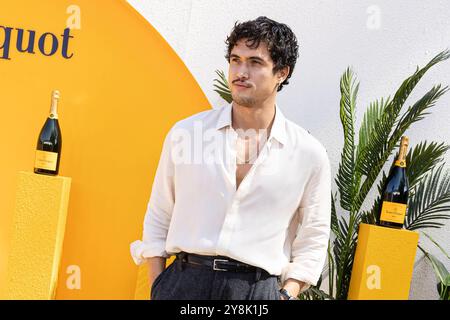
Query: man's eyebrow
[[250, 58]]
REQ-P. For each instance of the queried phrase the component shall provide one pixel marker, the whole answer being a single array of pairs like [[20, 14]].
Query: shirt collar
[[224, 117], [278, 127]]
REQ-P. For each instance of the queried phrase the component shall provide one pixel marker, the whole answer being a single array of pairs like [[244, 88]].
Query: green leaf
[[345, 178], [422, 158], [381, 144], [222, 87], [331, 269], [372, 116], [225, 95], [417, 112], [371, 216], [436, 244], [361, 166], [344, 247], [430, 203], [439, 269], [442, 274], [334, 220]]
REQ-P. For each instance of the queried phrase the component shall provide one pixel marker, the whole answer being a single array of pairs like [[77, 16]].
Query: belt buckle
[[219, 260]]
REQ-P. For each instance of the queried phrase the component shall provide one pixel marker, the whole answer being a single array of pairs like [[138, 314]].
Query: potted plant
[[363, 157]]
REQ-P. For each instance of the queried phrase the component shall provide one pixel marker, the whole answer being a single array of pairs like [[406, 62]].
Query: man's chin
[[244, 101]]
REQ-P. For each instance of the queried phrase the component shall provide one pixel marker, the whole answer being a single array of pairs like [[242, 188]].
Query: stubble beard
[[244, 101]]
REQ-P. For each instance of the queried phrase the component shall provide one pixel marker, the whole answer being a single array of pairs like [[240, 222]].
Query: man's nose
[[242, 72], [242, 76]]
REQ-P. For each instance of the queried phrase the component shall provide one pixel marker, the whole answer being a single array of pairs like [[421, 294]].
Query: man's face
[[250, 74]]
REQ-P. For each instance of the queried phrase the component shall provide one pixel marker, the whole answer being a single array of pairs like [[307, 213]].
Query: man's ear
[[283, 73]]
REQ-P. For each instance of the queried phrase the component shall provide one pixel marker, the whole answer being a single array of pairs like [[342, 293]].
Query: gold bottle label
[[401, 160], [54, 107], [400, 163], [393, 212], [46, 160]]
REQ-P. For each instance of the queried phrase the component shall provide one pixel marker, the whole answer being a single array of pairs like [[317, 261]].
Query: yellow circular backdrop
[[122, 88]]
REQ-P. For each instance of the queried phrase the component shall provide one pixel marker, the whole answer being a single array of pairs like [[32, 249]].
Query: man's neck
[[257, 117]]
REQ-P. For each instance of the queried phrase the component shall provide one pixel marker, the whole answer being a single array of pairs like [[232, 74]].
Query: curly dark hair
[[281, 42]]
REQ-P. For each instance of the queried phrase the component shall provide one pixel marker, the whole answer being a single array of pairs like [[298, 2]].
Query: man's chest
[[241, 171], [233, 170]]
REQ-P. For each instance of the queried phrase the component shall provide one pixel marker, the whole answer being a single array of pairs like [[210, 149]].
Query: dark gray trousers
[[185, 281]]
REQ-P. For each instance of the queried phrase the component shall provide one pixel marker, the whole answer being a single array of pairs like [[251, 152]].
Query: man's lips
[[241, 85]]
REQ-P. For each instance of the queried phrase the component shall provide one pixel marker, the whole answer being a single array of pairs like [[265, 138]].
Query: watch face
[[285, 294]]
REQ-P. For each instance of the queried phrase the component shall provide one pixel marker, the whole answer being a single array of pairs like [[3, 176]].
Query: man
[[250, 219]]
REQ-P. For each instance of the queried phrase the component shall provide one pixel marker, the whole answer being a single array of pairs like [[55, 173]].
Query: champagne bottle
[[395, 194], [48, 149]]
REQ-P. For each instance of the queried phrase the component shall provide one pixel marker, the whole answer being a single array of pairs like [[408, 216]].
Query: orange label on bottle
[[393, 212], [400, 163], [46, 160]]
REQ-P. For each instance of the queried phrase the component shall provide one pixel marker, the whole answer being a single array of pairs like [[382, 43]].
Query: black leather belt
[[218, 263]]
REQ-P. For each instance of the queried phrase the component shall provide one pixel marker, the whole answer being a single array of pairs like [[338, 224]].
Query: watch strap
[[287, 295]]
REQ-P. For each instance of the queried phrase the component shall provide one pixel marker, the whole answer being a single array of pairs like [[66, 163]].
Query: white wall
[[333, 35]]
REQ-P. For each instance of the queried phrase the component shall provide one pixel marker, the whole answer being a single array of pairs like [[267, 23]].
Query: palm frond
[[422, 158], [371, 216], [372, 115], [440, 271], [442, 275], [436, 244], [334, 220], [331, 269], [416, 112], [222, 86], [313, 293], [345, 178], [344, 247], [430, 203], [380, 131], [380, 145]]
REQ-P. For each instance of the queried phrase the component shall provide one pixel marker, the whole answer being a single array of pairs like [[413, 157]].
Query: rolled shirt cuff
[[141, 250], [293, 271]]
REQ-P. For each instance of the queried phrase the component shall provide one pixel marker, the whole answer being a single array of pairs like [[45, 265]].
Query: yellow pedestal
[[37, 236], [383, 264]]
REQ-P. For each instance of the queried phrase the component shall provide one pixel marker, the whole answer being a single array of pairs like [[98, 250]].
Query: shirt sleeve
[[159, 210], [309, 247]]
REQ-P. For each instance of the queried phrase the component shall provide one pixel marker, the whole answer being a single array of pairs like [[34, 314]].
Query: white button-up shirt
[[277, 219]]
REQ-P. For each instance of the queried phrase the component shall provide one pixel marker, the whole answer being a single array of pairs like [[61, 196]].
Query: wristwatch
[[287, 295]]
